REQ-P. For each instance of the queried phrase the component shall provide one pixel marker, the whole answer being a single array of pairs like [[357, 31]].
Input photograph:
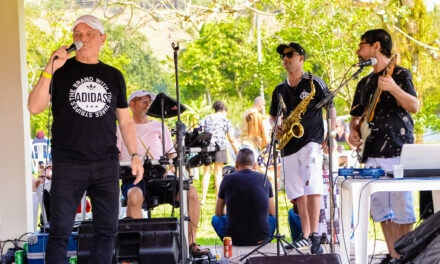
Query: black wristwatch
[[134, 155]]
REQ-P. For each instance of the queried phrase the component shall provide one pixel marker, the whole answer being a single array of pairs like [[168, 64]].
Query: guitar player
[[391, 127]]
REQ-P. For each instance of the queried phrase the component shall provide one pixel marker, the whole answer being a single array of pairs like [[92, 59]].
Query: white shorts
[[303, 171], [395, 206]]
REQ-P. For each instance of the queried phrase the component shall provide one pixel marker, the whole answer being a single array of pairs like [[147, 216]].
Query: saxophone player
[[302, 155]]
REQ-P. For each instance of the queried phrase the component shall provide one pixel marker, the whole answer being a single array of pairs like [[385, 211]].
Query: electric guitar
[[366, 125]]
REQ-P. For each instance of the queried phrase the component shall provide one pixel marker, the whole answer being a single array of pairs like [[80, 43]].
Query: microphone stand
[[325, 103], [180, 155], [280, 238]]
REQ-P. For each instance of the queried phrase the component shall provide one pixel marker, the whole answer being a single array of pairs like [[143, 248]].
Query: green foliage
[[222, 61], [142, 69], [199, 108], [418, 24], [329, 31]]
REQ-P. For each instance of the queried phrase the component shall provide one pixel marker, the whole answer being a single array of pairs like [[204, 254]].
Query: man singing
[[87, 97], [393, 128], [302, 157]]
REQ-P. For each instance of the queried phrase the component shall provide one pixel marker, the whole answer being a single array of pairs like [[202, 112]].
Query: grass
[[205, 233], [207, 236]]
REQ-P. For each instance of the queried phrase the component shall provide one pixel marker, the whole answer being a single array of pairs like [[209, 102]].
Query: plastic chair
[[39, 192], [44, 212], [40, 152]]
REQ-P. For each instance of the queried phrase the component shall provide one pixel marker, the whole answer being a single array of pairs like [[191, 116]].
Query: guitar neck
[[387, 73]]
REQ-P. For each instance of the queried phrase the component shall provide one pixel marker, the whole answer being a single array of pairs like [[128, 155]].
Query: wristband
[[47, 75], [135, 155]]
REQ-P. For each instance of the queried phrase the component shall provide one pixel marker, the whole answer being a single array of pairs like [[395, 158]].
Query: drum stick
[[147, 149]]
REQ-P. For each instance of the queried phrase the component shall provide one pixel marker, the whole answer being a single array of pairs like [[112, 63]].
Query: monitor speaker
[[297, 259], [153, 240]]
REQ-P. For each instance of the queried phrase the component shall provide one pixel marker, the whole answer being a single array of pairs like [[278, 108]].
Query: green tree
[[329, 31], [222, 61]]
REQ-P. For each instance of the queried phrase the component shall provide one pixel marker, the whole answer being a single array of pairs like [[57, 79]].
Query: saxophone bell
[[297, 130]]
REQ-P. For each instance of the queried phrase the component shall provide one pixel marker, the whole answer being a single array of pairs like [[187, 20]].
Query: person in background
[[250, 208], [342, 134], [220, 127], [253, 134]]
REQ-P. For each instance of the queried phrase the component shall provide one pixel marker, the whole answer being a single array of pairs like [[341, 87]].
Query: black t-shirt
[[312, 118], [392, 124], [247, 206], [84, 102]]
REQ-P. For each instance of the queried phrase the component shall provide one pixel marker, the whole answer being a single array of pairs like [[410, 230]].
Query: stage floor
[[271, 250]]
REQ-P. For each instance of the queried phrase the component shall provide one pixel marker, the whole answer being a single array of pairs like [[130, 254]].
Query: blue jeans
[[219, 225], [295, 226]]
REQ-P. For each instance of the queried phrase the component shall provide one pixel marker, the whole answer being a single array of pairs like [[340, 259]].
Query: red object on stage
[[88, 208], [227, 247]]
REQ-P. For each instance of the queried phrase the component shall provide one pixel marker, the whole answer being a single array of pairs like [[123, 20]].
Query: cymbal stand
[[180, 133]]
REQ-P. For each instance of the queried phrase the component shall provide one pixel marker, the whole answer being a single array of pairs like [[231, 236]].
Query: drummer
[[149, 138]]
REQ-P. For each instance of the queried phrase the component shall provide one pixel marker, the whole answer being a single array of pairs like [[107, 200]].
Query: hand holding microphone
[[60, 56], [75, 46]]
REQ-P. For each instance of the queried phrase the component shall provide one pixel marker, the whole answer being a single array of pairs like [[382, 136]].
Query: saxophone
[[292, 124]]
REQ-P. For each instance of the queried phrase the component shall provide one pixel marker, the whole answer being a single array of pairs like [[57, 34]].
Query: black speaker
[[426, 205], [296, 259], [153, 240]]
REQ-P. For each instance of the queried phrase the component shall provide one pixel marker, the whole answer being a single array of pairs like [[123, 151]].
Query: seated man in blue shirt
[[250, 207]]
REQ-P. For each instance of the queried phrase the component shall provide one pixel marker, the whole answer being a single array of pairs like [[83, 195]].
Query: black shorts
[[220, 156]]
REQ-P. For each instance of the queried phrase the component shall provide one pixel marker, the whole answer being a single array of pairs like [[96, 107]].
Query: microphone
[[283, 105], [369, 62], [75, 46]]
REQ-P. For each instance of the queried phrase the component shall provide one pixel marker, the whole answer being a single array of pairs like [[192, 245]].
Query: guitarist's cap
[[295, 46]]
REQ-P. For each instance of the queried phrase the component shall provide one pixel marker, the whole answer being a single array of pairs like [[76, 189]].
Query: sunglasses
[[288, 54], [143, 100], [363, 43]]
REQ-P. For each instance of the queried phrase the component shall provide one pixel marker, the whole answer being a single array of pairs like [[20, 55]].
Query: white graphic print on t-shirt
[[90, 97]]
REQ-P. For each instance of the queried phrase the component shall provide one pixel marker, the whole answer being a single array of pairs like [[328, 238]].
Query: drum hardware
[[152, 169], [169, 107]]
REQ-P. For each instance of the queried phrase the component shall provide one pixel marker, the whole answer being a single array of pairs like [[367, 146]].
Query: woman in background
[[220, 127]]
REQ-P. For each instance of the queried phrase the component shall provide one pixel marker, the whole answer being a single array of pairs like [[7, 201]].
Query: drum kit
[[195, 142], [192, 150]]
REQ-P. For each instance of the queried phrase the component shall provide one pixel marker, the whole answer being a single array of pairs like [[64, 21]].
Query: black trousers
[[69, 181]]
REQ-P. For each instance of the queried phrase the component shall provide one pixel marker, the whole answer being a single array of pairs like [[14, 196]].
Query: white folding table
[[355, 201]]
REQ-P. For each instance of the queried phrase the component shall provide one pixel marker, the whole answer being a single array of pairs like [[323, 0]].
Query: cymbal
[[170, 107]]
